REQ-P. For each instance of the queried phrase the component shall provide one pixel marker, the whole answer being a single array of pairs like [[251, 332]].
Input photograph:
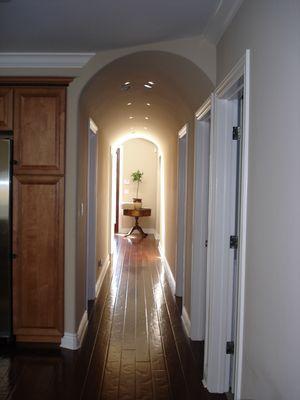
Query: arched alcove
[[180, 87]]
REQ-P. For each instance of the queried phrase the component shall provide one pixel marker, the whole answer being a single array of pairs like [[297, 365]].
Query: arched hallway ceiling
[[179, 89], [94, 25]]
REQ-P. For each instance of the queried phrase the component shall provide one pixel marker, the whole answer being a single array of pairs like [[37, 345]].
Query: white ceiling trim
[[221, 19], [44, 60]]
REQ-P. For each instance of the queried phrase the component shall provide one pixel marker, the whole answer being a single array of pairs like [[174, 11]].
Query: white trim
[[156, 235], [44, 60], [243, 232], [102, 275], [167, 268], [233, 79], [186, 321], [182, 132], [202, 112], [93, 126], [73, 341], [221, 19]]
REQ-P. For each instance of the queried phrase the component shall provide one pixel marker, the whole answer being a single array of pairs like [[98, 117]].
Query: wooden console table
[[142, 212]]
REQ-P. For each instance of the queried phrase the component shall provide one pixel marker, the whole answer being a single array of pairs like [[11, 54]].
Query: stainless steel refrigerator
[[5, 236]]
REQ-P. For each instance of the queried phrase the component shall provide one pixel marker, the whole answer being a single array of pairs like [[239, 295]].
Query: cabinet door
[[39, 130], [6, 109], [38, 264]]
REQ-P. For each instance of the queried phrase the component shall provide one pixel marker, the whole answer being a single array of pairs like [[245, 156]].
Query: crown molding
[[44, 60], [221, 19]]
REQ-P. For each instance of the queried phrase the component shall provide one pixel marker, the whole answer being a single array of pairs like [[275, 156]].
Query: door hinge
[[236, 133], [234, 242], [229, 347]]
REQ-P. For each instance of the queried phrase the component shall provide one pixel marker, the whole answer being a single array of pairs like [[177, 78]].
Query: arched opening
[[149, 96], [156, 113], [138, 157]]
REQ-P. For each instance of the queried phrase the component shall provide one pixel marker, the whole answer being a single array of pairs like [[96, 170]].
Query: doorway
[[181, 210], [92, 211], [126, 159], [200, 221], [227, 232]]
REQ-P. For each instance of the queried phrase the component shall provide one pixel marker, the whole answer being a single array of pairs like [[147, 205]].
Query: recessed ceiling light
[[129, 104], [151, 83], [126, 86], [131, 117], [147, 86], [146, 117], [148, 104]]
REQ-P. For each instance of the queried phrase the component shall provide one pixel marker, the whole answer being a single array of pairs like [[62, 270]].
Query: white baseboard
[[186, 321], [167, 268], [73, 341], [156, 235], [102, 274]]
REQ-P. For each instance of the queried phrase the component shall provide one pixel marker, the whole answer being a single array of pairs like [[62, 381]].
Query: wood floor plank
[[127, 376]]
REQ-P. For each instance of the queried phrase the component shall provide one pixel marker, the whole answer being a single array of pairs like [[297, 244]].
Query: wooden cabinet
[[6, 109], [38, 216], [35, 111], [39, 130]]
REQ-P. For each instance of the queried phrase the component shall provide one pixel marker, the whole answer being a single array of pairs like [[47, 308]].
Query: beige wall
[[139, 154], [271, 30]]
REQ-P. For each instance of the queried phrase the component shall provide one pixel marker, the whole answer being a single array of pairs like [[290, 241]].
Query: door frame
[[200, 220], [91, 244], [216, 364], [181, 224]]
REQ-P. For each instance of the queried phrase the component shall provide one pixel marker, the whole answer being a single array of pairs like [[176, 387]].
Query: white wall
[[271, 29], [139, 154]]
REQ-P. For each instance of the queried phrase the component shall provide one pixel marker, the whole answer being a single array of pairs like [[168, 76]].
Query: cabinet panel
[[39, 130], [39, 263], [6, 109]]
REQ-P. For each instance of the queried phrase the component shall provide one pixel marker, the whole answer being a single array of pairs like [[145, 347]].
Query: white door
[[200, 226]]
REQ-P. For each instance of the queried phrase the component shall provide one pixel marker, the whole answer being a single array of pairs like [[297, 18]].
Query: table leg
[[136, 227]]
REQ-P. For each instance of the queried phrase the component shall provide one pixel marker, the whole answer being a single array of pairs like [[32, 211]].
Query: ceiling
[[179, 89], [93, 25]]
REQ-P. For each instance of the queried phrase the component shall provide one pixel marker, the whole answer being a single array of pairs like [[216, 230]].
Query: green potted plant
[[137, 178]]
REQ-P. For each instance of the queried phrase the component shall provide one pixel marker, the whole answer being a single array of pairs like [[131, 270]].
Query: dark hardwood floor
[[135, 346]]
